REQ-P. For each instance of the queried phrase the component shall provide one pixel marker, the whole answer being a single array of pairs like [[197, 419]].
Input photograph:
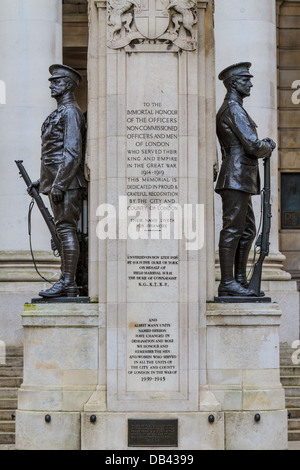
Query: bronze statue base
[[242, 300], [61, 300]]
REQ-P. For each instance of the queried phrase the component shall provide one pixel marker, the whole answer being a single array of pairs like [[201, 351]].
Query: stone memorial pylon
[[152, 147]]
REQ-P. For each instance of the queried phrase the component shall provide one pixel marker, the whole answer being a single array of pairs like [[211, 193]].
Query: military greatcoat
[[240, 146], [63, 135]]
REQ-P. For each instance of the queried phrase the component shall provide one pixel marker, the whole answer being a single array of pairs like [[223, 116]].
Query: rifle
[[55, 243], [263, 239]]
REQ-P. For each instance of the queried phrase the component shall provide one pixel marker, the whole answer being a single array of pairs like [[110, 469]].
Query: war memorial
[[169, 347]]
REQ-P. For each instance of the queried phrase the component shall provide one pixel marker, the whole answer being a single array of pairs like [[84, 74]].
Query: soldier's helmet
[[236, 70], [64, 71]]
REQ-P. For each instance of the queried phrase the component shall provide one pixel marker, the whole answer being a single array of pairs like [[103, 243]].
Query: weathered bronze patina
[[238, 179], [62, 176]]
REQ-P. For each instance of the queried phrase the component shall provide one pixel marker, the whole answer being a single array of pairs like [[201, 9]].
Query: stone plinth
[[195, 432], [243, 373], [60, 373]]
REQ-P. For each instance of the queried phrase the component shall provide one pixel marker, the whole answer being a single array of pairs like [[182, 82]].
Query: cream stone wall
[[30, 41], [31, 34]]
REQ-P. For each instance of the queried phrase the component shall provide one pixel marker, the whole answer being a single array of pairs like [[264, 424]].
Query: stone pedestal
[[243, 373], [62, 406], [60, 374], [195, 432]]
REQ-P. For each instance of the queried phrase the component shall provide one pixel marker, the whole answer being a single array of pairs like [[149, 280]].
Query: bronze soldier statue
[[238, 179], [62, 175]]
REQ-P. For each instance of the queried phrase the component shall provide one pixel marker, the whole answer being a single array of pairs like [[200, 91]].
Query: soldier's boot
[[57, 290], [228, 285], [241, 260], [70, 247], [71, 259], [66, 285], [240, 265], [61, 288]]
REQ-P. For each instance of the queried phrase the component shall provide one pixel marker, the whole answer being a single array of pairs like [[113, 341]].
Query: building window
[[290, 201]]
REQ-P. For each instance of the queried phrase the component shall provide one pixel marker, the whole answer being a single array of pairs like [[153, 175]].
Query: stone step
[[287, 350], [289, 355], [11, 371], [11, 382], [13, 351], [286, 371], [14, 361], [294, 435], [7, 426], [7, 415], [292, 402], [8, 403], [287, 361], [294, 413], [7, 438], [292, 392], [8, 392], [294, 425], [293, 381]]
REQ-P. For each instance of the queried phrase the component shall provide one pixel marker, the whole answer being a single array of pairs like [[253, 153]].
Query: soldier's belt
[[53, 160], [232, 151], [240, 153]]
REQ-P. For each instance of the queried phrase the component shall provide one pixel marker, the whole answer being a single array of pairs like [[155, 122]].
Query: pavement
[[293, 445]]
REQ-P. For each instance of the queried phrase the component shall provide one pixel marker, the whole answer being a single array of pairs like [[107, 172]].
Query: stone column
[[30, 41], [245, 30]]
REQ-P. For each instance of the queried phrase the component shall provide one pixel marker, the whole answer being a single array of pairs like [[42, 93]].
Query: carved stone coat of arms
[[164, 21]]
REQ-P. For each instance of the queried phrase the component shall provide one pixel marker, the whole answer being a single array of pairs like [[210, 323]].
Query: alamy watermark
[[2, 92], [296, 94], [153, 222], [2, 353]]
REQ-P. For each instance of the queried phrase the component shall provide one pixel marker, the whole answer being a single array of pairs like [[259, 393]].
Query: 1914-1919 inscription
[[153, 432]]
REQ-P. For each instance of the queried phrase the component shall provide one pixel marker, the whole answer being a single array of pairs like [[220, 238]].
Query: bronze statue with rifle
[[238, 180], [62, 176]]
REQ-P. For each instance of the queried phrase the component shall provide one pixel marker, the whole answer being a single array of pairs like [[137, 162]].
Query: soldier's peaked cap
[[236, 70], [62, 71]]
